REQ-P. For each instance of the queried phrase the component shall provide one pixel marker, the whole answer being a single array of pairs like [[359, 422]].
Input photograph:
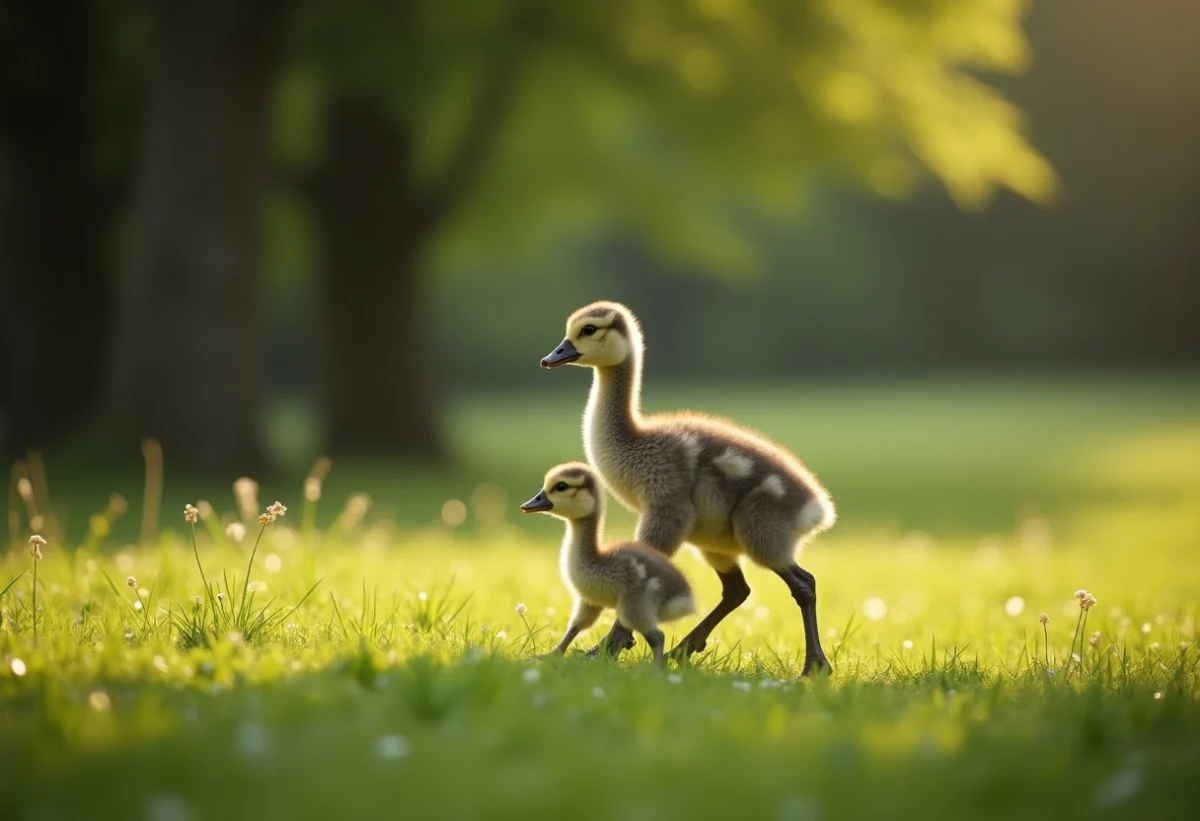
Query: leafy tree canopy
[[667, 117]]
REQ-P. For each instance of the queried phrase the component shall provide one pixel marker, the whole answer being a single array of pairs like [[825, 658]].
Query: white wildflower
[[1119, 788], [391, 746]]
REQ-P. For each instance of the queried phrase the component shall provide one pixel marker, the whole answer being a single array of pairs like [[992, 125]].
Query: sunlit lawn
[[403, 687]]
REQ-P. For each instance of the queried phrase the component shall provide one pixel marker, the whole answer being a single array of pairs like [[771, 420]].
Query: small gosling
[[639, 583]]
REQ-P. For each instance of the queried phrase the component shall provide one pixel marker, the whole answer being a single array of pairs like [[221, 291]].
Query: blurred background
[[898, 236]]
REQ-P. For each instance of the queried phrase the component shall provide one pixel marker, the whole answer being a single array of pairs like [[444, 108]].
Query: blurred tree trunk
[[186, 365], [376, 223], [57, 211], [375, 389]]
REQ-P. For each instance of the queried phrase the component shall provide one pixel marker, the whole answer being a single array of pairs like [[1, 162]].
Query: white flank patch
[[817, 514], [639, 569], [773, 485], [733, 464], [677, 608], [691, 446], [654, 585]]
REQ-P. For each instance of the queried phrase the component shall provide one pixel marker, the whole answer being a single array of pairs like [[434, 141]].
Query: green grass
[[402, 687]]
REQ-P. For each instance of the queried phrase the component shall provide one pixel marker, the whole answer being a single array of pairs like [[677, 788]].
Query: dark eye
[[588, 330], [560, 487]]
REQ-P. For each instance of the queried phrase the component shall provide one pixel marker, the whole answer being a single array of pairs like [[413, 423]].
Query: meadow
[[367, 657]]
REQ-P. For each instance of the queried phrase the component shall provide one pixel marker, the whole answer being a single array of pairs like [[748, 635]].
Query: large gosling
[[639, 583], [725, 489]]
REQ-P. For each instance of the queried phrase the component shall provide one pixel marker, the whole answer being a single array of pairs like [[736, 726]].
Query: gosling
[[640, 584], [727, 490]]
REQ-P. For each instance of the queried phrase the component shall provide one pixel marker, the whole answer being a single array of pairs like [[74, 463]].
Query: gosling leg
[[804, 590], [619, 638], [583, 617], [734, 591], [656, 639]]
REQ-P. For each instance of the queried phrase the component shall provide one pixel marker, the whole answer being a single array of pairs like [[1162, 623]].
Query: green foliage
[[669, 118]]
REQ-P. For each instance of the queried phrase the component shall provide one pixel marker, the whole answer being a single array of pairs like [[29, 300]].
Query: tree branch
[[476, 144]]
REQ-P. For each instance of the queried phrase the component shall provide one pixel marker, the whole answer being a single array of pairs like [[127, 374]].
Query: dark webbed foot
[[687, 647], [618, 639], [816, 665]]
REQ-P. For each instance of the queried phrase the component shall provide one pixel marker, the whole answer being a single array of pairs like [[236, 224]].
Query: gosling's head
[[568, 492], [600, 335]]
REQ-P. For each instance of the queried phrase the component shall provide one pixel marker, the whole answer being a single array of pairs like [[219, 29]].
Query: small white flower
[[675, 678], [521, 608], [1158, 696], [391, 746], [312, 489], [908, 645], [18, 667], [190, 514], [799, 808], [236, 532], [875, 608], [167, 807], [252, 740], [1015, 606], [99, 701], [277, 511], [531, 676], [130, 581], [598, 692], [1044, 618], [137, 605], [744, 686], [1119, 788]]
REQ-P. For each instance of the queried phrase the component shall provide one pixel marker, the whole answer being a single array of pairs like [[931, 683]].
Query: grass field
[[402, 687]]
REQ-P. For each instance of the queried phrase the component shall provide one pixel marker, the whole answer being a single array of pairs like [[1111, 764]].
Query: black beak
[[564, 354], [538, 503]]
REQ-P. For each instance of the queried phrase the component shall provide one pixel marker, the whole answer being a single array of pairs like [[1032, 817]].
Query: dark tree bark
[[375, 224], [374, 364], [186, 366], [55, 215]]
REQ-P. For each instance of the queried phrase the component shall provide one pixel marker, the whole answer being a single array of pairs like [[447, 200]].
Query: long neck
[[615, 402], [583, 536]]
